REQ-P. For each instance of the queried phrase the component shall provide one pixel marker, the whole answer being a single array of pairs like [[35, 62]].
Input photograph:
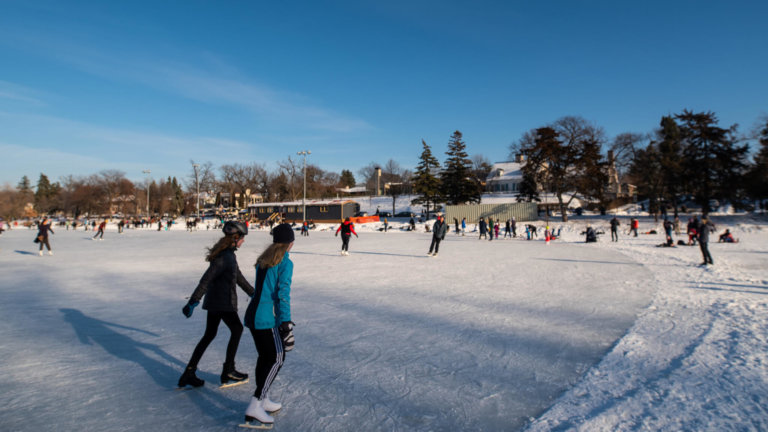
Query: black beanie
[[282, 233]]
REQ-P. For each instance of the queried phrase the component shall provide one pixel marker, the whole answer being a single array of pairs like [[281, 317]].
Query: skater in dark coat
[[615, 229], [483, 227], [42, 236], [268, 317], [438, 234], [219, 286], [347, 228]]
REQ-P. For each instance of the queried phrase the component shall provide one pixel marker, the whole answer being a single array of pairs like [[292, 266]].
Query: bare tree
[[292, 172], [624, 149], [239, 178]]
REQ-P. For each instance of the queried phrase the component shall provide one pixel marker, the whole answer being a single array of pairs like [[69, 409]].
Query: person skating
[[463, 226], [490, 229], [219, 286], [508, 229], [438, 234], [483, 228], [705, 227], [692, 230], [347, 228], [514, 227], [615, 229], [100, 232], [456, 225], [305, 229], [43, 229], [635, 224], [268, 317], [668, 227]]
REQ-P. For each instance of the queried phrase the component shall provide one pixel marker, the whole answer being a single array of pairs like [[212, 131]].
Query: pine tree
[[757, 179], [457, 184], [24, 185], [46, 194], [714, 164], [346, 179], [426, 184]]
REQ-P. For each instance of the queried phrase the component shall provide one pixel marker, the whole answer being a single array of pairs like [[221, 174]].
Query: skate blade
[[234, 384], [255, 424]]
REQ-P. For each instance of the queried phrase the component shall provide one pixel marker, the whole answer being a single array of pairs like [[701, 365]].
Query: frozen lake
[[486, 336]]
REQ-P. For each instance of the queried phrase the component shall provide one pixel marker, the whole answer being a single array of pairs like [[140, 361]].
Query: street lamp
[[197, 182], [147, 172], [304, 199]]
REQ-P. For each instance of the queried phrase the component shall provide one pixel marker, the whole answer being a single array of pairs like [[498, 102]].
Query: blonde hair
[[272, 255], [226, 242]]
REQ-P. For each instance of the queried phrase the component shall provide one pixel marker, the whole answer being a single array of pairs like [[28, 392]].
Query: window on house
[[323, 209]]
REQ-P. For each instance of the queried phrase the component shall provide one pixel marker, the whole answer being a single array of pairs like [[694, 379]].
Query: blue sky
[[133, 85]]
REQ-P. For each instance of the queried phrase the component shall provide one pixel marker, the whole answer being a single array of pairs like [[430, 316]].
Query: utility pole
[[304, 199], [147, 172]]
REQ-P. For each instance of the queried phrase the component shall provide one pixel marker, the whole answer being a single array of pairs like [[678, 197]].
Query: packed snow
[[487, 336]]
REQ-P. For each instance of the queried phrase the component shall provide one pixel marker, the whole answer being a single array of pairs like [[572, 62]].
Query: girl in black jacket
[[219, 286]]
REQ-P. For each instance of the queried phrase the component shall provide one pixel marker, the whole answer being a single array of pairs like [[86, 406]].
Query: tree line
[[688, 157]]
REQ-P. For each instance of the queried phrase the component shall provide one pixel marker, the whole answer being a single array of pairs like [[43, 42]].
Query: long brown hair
[[226, 242], [272, 255]]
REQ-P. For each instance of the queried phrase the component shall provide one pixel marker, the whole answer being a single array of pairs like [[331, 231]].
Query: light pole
[[197, 183], [147, 172], [304, 199]]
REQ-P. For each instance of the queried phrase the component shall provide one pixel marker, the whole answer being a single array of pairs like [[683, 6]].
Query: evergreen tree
[[426, 184], [46, 194], [24, 185], [757, 178], [458, 187], [670, 158], [714, 165], [347, 179], [593, 169], [177, 195]]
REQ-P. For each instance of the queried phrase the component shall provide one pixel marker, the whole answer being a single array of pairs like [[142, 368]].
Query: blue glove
[[188, 308]]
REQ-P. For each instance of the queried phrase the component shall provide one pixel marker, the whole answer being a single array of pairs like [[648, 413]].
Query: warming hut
[[332, 211]]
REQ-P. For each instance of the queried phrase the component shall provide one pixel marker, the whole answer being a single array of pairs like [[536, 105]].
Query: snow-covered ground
[[488, 336]]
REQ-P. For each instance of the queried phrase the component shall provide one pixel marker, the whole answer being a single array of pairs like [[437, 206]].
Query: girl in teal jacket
[[268, 317]]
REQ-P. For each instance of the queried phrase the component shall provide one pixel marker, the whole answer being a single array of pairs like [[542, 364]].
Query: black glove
[[286, 334], [336, 235], [188, 308]]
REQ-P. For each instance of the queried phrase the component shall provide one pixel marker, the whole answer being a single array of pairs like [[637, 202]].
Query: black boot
[[229, 374], [189, 378]]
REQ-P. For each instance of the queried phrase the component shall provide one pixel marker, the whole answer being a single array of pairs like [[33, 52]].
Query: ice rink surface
[[488, 336]]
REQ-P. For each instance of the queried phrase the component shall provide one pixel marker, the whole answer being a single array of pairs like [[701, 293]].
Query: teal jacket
[[274, 304]]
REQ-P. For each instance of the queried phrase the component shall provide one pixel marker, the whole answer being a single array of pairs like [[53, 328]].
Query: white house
[[505, 177]]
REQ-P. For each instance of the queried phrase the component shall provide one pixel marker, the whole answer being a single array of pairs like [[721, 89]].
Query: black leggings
[[269, 345], [44, 241], [345, 241], [211, 328]]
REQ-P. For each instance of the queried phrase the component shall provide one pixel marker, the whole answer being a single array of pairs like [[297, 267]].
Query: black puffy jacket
[[219, 284]]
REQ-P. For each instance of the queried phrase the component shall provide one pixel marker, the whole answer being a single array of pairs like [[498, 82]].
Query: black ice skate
[[189, 378], [230, 377]]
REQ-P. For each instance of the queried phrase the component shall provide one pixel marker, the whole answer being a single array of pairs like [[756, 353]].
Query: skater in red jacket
[[347, 228]]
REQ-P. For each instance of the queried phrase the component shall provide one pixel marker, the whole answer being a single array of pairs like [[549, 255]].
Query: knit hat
[[283, 233]]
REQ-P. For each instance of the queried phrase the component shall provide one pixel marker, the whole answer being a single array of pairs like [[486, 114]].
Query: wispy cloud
[[208, 79], [18, 93]]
